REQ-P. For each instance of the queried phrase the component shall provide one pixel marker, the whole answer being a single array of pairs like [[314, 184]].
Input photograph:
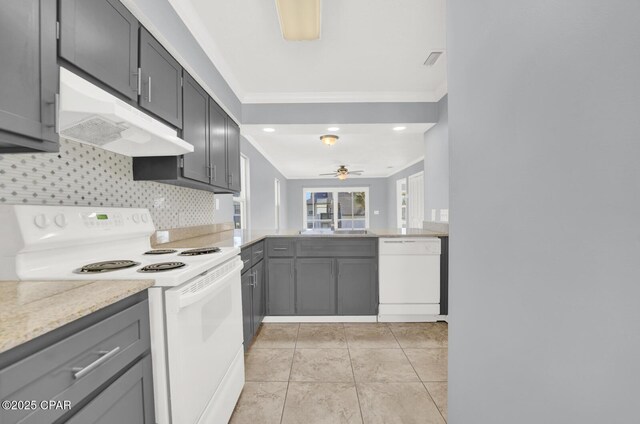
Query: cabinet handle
[[259, 252], [230, 179], [149, 89], [214, 173], [56, 110], [280, 248], [79, 372], [209, 172], [139, 81]]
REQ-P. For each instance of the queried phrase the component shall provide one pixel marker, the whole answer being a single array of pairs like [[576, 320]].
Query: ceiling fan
[[342, 173]]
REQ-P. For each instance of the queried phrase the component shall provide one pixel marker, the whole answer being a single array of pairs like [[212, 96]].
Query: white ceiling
[[296, 150], [370, 50]]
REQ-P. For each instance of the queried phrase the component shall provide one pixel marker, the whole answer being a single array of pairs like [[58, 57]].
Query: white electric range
[[195, 305]]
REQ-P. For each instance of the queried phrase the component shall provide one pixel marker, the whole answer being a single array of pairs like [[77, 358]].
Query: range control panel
[[52, 224]]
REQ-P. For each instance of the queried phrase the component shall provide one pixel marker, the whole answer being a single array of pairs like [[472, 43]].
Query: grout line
[[419, 378], [433, 400], [286, 395], [355, 384]]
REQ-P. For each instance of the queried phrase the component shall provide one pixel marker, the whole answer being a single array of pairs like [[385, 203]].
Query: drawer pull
[[258, 253], [280, 248], [79, 372]]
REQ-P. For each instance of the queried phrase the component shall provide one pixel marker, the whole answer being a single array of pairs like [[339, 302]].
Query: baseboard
[[322, 318], [412, 318]]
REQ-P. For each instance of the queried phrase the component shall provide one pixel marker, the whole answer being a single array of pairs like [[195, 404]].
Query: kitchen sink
[[329, 231]]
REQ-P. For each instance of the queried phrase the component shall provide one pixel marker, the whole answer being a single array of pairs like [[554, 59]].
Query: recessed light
[[268, 129], [399, 128], [333, 129]]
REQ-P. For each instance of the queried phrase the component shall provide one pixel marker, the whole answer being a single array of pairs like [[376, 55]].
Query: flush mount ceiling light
[[329, 139], [333, 129], [399, 128], [268, 129], [432, 58], [299, 19]]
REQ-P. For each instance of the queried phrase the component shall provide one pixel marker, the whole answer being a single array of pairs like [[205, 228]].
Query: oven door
[[204, 333]]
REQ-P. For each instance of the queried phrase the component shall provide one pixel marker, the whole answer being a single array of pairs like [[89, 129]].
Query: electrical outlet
[[217, 202], [444, 215], [376, 212], [433, 214]]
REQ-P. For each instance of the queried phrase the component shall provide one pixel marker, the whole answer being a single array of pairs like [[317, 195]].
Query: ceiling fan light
[[299, 19], [342, 176], [329, 139]]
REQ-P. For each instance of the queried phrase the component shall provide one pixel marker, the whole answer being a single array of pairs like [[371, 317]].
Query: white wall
[[436, 163], [544, 102], [377, 198]]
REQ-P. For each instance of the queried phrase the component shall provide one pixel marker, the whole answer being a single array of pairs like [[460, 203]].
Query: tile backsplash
[[85, 175]]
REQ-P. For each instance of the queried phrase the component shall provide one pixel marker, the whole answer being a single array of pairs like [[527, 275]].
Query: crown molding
[[342, 97]]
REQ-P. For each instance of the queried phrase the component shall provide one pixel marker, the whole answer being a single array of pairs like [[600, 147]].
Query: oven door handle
[[184, 300]]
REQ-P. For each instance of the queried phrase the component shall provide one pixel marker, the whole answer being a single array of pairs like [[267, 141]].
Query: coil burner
[[162, 266]]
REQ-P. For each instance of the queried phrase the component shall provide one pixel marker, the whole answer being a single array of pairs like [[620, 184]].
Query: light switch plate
[[217, 202], [376, 212]]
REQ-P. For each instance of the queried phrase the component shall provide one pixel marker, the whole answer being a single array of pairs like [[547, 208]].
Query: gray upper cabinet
[[100, 37], [129, 399], [28, 76], [280, 286], [161, 74], [195, 130], [357, 287], [233, 156], [218, 145], [315, 286]]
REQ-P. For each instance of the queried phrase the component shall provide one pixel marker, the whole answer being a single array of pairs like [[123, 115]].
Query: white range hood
[[88, 114]]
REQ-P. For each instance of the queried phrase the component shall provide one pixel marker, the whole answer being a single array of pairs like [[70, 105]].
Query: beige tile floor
[[346, 373]]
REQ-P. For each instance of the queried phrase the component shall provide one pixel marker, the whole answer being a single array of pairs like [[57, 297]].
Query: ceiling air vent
[[433, 58]]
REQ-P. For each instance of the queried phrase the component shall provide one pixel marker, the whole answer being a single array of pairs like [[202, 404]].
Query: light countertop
[[243, 238], [29, 309]]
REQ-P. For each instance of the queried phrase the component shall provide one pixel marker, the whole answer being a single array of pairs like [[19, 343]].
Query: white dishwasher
[[409, 272]]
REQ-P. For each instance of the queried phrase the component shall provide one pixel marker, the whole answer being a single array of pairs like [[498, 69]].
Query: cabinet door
[[217, 145], [129, 399], [161, 80], [233, 156], [315, 287], [280, 287], [194, 130], [246, 286], [101, 38], [258, 296], [357, 287], [28, 76]]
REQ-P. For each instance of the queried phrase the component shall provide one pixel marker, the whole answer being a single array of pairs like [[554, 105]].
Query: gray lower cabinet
[[281, 286], [129, 399], [100, 37], [161, 75], [246, 285], [322, 276], [253, 291], [315, 286], [99, 363], [28, 76], [357, 286], [259, 305]]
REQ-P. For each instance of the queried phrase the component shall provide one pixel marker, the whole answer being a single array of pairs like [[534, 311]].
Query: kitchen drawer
[[54, 373], [280, 247], [257, 252], [336, 247], [245, 255]]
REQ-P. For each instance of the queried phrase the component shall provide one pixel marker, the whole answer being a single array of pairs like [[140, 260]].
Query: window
[[240, 203], [346, 208]]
